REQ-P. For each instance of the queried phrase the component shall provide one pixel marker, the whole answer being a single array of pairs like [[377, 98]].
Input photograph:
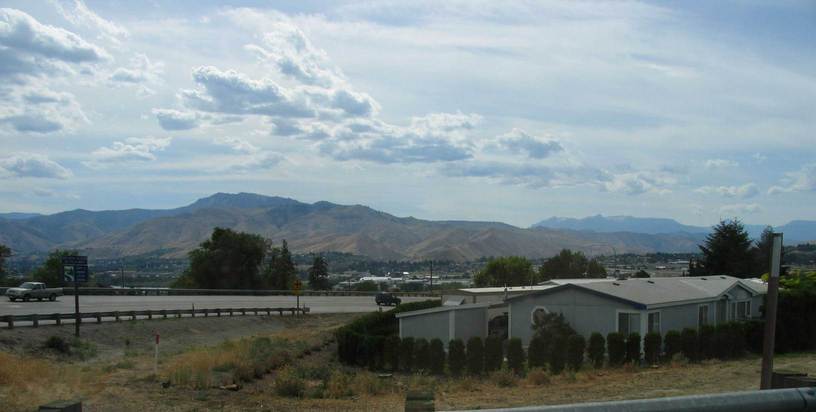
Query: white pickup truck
[[33, 290]]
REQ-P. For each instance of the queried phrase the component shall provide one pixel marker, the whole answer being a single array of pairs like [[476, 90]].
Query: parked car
[[387, 299], [33, 290]]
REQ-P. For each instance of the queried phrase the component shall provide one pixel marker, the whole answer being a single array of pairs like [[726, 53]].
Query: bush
[[576, 344], [504, 378], [729, 340], [672, 344], [558, 354], [287, 383], [406, 355], [633, 348], [705, 342], [493, 354], [616, 347], [596, 350], [392, 352], [57, 344], [515, 356], [339, 385], [436, 357], [652, 343], [754, 332], [537, 352], [689, 344], [421, 354], [538, 376], [456, 357], [475, 356]]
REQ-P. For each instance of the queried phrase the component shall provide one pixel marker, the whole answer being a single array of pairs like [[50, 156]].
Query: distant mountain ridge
[[322, 227], [795, 230]]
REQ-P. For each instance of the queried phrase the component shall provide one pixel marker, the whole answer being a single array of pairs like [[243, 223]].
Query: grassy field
[[288, 364]]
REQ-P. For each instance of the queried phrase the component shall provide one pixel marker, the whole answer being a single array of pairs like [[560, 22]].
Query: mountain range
[[321, 227]]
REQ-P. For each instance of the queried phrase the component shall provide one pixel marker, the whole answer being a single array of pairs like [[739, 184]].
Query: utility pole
[[123, 276], [770, 313], [432, 276]]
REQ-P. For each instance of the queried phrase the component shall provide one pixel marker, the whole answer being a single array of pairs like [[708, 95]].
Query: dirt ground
[[120, 375]]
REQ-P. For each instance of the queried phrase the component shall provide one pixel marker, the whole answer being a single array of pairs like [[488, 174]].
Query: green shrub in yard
[[689, 344], [652, 343], [475, 356], [633, 348], [421, 354], [436, 357], [456, 357], [729, 340], [515, 356], [391, 351], [406, 354], [57, 344], [504, 378], [616, 347], [705, 342], [576, 344], [558, 354], [596, 349], [288, 384], [537, 355], [672, 344], [493, 354]]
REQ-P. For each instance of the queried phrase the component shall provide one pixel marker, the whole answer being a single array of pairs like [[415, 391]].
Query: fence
[[225, 292], [57, 318]]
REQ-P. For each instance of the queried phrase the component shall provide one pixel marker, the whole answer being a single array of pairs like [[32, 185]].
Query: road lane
[[91, 303]]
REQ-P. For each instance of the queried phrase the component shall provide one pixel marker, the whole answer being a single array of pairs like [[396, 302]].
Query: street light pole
[[770, 312]]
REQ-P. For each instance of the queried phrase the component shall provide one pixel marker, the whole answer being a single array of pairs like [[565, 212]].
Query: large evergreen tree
[[280, 272], [227, 260], [5, 252], [762, 252], [506, 271], [50, 272], [319, 274], [569, 264], [727, 251]]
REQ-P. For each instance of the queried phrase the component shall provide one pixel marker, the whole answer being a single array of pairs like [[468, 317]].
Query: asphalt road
[[316, 304]]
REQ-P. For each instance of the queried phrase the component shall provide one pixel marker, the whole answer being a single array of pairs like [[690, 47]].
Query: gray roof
[[443, 309]]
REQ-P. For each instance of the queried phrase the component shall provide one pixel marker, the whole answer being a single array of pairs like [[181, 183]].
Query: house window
[[742, 310], [702, 318], [654, 322], [539, 315], [733, 315], [628, 323], [748, 309]]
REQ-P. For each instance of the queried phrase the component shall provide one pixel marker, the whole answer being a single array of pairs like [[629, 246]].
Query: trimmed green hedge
[[537, 356], [456, 357], [616, 347], [652, 343], [575, 351], [515, 356], [595, 350], [493, 354], [475, 356], [436, 357], [672, 344]]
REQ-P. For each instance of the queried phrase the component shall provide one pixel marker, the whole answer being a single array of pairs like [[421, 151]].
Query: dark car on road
[[387, 299]]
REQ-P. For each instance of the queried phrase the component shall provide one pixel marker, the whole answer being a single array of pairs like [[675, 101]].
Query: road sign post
[[296, 287], [770, 312], [79, 273]]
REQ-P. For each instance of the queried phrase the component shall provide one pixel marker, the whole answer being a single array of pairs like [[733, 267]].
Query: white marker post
[[156, 357], [770, 313]]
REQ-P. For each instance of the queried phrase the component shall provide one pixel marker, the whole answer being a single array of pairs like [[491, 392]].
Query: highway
[[91, 303]]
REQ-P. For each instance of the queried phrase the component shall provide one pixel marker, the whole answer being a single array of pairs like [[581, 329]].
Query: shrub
[[558, 354], [596, 350], [754, 332], [368, 383], [515, 356], [652, 343], [672, 344], [729, 340], [616, 347], [456, 357], [689, 344], [339, 385], [537, 352], [391, 351], [705, 339], [287, 383], [57, 344], [475, 356], [633, 348], [493, 354], [576, 344], [504, 378], [421, 354], [538, 376], [406, 356], [436, 357]]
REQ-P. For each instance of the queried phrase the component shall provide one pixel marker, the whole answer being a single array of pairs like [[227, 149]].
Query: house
[[445, 322], [638, 305]]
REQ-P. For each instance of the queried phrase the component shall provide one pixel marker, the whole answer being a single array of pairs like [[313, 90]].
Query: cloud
[[33, 165], [720, 164], [518, 141], [802, 180], [80, 15], [131, 150], [745, 191], [34, 123], [257, 161], [41, 111], [172, 120], [141, 70], [236, 144], [740, 209], [637, 182]]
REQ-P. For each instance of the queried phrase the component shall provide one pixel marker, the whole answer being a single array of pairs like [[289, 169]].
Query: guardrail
[[57, 318], [227, 292]]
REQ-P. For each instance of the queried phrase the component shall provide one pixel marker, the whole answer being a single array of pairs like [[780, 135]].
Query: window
[[732, 316], [628, 323], [742, 310], [748, 309], [702, 318], [654, 322], [539, 315]]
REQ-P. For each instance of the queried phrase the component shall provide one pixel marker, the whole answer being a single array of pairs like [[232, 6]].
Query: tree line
[[519, 271]]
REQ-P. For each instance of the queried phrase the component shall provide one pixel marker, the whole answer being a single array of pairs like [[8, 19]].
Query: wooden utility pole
[[770, 312]]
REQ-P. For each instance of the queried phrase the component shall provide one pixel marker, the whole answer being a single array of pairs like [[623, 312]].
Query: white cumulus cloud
[[33, 165]]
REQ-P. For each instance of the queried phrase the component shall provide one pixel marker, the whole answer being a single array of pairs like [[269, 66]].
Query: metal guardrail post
[[35, 320], [98, 318], [243, 312], [164, 313], [57, 318], [206, 312], [132, 315], [218, 312], [116, 315], [10, 321], [149, 314]]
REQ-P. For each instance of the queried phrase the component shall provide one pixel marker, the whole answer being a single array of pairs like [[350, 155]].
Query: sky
[[473, 110]]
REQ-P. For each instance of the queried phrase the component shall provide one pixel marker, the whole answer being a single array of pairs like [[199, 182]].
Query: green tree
[[367, 286], [5, 253], [50, 272], [506, 271], [569, 264], [280, 272], [227, 260], [727, 250], [762, 252], [319, 274]]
